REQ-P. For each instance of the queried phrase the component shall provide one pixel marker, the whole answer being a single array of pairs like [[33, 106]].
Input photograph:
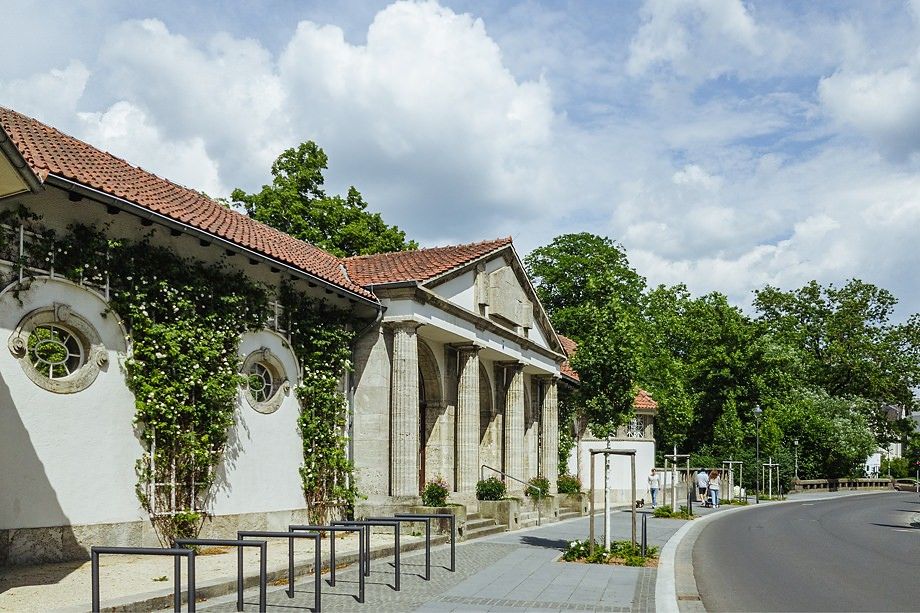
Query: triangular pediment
[[497, 287]]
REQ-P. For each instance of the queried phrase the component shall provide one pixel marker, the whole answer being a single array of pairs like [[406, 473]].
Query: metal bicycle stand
[[177, 554], [453, 532], [427, 521], [317, 558], [332, 530], [392, 523], [263, 562]]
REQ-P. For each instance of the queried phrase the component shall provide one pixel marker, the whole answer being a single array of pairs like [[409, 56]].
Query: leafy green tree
[[593, 296], [847, 342], [297, 204]]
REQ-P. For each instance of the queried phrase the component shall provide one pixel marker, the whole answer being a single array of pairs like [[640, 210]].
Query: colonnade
[[404, 419]]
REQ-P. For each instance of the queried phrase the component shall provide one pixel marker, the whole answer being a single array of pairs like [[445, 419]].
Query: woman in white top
[[714, 485], [654, 484]]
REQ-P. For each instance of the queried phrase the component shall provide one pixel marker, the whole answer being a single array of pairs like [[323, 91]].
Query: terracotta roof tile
[[49, 151], [419, 265], [570, 347], [643, 399]]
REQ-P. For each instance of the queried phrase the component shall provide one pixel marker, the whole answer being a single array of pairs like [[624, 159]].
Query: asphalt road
[[858, 553]]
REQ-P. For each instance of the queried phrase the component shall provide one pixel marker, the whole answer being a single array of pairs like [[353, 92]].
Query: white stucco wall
[[619, 475], [460, 290], [66, 459], [260, 469]]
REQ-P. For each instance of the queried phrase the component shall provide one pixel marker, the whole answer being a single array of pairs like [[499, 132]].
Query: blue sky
[[726, 144]]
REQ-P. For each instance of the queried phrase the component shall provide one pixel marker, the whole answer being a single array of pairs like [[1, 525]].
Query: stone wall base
[[22, 546]]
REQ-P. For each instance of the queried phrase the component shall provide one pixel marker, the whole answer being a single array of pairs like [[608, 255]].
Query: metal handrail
[[530, 485]]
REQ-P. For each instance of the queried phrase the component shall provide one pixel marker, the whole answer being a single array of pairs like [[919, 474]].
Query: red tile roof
[[48, 151], [570, 347], [419, 265], [643, 399]]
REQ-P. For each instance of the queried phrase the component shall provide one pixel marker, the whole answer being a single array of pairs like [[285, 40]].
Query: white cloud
[[126, 131], [883, 105], [706, 37], [697, 132], [694, 176], [55, 92]]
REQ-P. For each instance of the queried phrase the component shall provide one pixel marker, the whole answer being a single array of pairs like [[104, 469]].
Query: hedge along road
[[855, 553]]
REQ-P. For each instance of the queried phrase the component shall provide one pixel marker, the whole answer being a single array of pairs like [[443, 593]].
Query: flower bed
[[622, 553]]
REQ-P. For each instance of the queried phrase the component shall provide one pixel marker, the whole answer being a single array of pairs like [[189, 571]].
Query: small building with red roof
[[638, 434]]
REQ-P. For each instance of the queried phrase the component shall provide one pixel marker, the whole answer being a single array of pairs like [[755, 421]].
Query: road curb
[[675, 585]]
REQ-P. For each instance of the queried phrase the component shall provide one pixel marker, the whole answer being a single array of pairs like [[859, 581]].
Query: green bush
[[540, 482], [435, 493], [492, 488], [667, 512], [899, 467], [579, 551], [567, 484]]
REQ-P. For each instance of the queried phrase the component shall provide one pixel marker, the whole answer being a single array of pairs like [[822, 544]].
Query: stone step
[[485, 531], [473, 516], [563, 515], [478, 523]]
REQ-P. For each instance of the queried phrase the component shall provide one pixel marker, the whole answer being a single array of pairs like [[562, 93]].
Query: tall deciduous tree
[[297, 204], [593, 296]]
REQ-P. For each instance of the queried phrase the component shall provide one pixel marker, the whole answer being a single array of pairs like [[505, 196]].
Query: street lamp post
[[757, 412], [796, 444]]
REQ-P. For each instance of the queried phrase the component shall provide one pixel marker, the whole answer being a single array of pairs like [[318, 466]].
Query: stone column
[[549, 425], [467, 441], [514, 428], [404, 408]]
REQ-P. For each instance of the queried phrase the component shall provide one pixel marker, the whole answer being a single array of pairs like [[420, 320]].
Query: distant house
[[638, 434]]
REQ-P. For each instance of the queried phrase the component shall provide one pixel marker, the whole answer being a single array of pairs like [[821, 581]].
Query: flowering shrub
[[540, 489], [492, 488], [621, 552], [567, 484], [435, 493], [185, 319]]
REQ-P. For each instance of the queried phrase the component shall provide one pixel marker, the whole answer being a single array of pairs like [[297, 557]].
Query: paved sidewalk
[[512, 571]]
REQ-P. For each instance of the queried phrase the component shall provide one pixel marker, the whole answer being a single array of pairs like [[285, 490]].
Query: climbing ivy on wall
[[185, 319], [321, 338]]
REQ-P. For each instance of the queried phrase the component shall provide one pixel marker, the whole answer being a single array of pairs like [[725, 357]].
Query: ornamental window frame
[[263, 358], [93, 355]]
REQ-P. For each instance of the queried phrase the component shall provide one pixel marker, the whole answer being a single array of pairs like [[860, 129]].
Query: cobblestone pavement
[[513, 571]]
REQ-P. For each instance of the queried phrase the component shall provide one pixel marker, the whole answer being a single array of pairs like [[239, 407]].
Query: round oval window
[[55, 351]]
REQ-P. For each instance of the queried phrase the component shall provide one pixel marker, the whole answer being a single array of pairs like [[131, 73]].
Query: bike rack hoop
[[332, 530], [239, 544], [390, 522], [453, 532], [317, 558], [176, 554]]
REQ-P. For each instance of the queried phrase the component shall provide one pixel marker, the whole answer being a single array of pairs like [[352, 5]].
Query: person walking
[[702, 484], [654, 484], [715, 483]]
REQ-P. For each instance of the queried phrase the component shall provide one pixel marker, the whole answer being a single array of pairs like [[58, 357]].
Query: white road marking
[[808, 504]]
